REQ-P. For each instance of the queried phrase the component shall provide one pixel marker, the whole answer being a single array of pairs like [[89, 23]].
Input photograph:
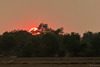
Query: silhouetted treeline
[[49, 43]]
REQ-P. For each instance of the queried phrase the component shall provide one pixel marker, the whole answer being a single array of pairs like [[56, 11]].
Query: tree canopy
[[49, 43]]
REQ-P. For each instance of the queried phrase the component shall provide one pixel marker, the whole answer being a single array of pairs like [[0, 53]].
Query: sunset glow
[[33, 29]]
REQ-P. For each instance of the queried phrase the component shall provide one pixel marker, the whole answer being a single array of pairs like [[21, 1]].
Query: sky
[[73, 15]]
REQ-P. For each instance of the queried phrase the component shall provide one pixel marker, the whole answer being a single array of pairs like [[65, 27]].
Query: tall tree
[[72, 43], [95, 45], [49, 45], [8, 43]]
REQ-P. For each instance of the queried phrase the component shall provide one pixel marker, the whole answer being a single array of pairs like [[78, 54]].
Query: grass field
[[51, 62]]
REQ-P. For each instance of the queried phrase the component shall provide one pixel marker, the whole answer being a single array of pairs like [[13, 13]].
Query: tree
[[8, 42], [35, 40], [72, 43], [28, 49], [95, 45], [59, 31], [43, 28], [87, 40], [20, 37], [49, 45], [1, 44], [87, 36]]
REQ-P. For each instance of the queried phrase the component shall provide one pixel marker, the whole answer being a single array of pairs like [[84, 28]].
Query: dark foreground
[[50, 62], [49, 65]]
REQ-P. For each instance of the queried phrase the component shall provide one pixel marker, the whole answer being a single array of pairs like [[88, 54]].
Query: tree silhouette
[[49, 43]]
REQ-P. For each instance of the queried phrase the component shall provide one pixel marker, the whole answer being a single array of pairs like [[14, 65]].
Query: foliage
[[49, 43]]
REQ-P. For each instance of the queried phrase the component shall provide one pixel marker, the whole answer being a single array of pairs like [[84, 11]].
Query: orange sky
[[74, 15]]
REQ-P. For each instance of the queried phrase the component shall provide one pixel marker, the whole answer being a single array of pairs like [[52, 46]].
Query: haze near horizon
[[73, 15]]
